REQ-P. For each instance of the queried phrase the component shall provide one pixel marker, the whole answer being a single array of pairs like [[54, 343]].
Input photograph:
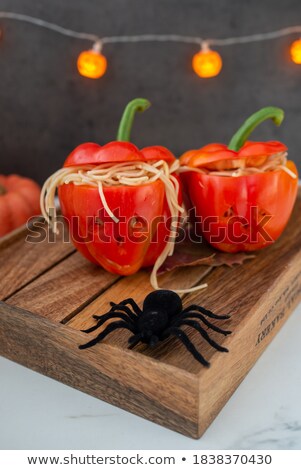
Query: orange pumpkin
[[19, 200]]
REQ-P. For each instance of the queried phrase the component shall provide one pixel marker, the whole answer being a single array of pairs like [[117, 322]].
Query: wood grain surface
[[165, 384], [65, 289], [22, 261]]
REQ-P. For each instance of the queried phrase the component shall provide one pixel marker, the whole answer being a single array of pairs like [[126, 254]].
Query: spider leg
[[206, 312], [134, 340], [132, 303], [103, 318], [123, 308], [109, 329], [210, 325], [194, 324], [188, 344]]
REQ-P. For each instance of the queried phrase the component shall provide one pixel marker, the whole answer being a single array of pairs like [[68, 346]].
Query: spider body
[[161, 316], [158, 308]]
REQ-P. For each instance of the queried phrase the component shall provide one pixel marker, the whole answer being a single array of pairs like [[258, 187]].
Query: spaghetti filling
[[241, 168], [127, 174]]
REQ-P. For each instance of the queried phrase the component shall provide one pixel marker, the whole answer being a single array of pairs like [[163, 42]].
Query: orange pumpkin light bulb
[[295, 51], [207, 63], [92, 63]]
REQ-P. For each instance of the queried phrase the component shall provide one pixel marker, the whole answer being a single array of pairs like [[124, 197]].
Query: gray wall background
[[47, 108]]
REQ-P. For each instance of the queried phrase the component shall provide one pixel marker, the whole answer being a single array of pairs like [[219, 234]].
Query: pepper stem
[[3, 190], [126, 123], [240, 137]]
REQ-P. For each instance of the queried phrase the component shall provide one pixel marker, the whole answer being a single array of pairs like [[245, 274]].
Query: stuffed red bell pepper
[[119, 201], [243, 193]]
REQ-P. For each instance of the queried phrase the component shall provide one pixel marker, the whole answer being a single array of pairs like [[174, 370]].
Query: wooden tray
[[48, 293]]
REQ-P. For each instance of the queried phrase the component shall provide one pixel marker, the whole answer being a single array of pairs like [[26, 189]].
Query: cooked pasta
[[272, 163]]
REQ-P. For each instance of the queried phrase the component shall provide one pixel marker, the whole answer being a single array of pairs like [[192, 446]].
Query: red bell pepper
[[137, 239], [241, 210]]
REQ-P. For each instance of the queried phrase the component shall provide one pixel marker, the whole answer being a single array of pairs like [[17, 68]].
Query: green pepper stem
[[240, 137], [126, 123]]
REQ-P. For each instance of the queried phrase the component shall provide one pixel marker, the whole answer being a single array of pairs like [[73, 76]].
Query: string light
[[91, 63], [295, 51], [206, 63]]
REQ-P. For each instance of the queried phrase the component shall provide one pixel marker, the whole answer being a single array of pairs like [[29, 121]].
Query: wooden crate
[[48, 293]]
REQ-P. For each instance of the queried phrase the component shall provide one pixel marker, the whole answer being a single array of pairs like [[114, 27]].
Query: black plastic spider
[[162, 316]]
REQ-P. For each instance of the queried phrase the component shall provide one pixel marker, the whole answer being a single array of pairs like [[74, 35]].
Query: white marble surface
[[264, 413]]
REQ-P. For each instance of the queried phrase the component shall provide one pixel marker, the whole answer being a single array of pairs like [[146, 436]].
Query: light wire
[[151, 37], [48, 25]]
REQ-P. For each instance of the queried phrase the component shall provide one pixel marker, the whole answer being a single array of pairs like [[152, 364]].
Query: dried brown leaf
[[189, 253]]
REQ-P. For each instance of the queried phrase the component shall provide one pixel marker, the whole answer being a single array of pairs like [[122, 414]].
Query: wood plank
[[52, 349], [65, 289], [21, 261]]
